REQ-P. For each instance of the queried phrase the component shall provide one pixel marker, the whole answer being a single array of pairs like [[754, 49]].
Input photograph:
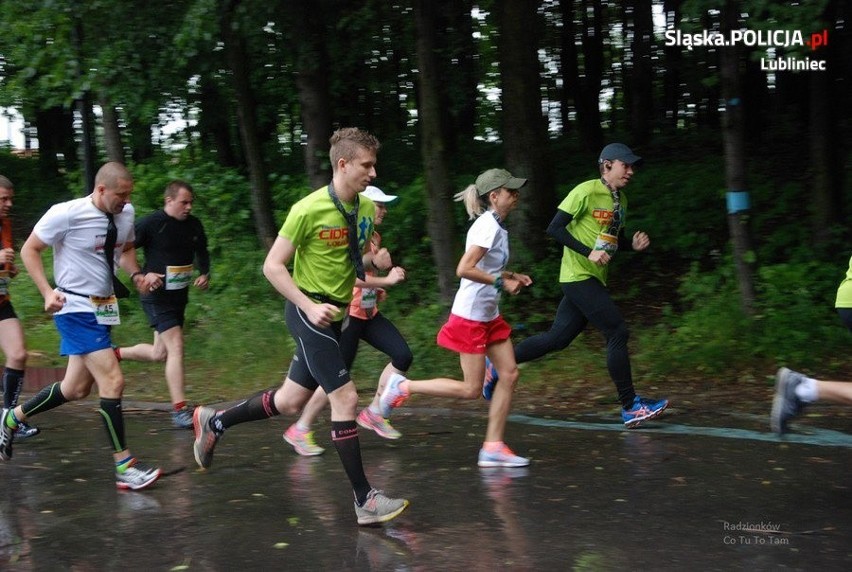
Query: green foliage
[[703, 336], [33, 194], [796, 313], [710, 335], [237, 342]]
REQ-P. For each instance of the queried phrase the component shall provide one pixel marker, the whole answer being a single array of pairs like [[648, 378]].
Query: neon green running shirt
[[590, 205], [844, 292], [321, 237]]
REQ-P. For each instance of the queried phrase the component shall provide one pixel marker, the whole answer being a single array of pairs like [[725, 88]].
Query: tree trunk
[[83, 106], [55, 137], [672, 70], [825, 205], [88, 150], [439, 216], [588, 110], [235, 54], [461, 66], [214, 123], [312, 83], [733, 135], [524, 125], [568, 65], [139, 135], [642, 73], [582, 89], [112, 132]]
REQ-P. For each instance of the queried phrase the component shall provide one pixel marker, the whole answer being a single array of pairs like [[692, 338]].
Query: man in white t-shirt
[[89, 237]]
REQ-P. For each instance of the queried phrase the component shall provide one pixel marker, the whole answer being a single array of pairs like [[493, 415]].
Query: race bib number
[[106, 310], [368, 300], [4, 282], [606, 242], [178, 277]]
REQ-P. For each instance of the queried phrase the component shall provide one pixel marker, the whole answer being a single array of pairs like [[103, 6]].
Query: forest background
[[452, 87]]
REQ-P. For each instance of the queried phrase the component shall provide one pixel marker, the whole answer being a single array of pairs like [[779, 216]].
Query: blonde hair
[[474, 204], [346, 142]]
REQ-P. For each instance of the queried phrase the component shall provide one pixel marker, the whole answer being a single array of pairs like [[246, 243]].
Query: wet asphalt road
[[685, 493]]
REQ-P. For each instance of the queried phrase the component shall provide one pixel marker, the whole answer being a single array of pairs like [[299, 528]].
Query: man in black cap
[[589, 224]]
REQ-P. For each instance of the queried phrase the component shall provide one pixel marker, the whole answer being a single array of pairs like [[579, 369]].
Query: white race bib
[[178, 277], [606, 242], [106, 310], [368, 298]]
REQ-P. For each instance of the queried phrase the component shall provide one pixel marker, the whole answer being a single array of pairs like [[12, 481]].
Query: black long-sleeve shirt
[[558, 229], [168, 241]]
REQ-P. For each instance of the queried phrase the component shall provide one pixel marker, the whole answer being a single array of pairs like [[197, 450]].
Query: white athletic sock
[[807, 390]]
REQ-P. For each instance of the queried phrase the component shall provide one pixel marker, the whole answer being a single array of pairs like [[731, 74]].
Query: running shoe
[[491, 379], [7, 436], [393, 396], [302, 441], [505, 457], [205, 437], [25, 430], [786, 403], [375, 422], [642, 410], [182, 418], [379, 508], [137, 477]]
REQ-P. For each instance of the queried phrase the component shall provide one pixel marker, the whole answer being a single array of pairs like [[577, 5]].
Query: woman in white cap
[[365, 323], [475, 327]]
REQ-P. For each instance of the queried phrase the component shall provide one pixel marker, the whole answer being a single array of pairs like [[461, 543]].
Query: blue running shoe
[[642, 410], [491, 379], [26, 430]]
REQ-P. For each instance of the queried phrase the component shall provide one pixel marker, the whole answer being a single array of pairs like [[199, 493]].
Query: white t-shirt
[[474, 300], [76, 230]]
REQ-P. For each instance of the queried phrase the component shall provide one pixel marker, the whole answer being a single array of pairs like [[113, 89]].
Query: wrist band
[[135, 274], [498, 283]]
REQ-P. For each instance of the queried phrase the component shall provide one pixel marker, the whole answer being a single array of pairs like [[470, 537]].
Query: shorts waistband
[[324, 298]]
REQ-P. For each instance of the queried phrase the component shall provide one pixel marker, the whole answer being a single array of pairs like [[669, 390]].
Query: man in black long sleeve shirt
[[172, 240]]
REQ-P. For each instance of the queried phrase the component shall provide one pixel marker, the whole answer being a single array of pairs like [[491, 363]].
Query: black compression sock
[[344, 435]]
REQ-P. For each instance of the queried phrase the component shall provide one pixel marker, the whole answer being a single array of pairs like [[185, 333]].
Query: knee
[[112, 387], [348, 397], [287, 408], [403, 361], [161, 351], [510, 378], [619, 335], [472, 390], [17, 358], [75, 393], [344, 399]]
